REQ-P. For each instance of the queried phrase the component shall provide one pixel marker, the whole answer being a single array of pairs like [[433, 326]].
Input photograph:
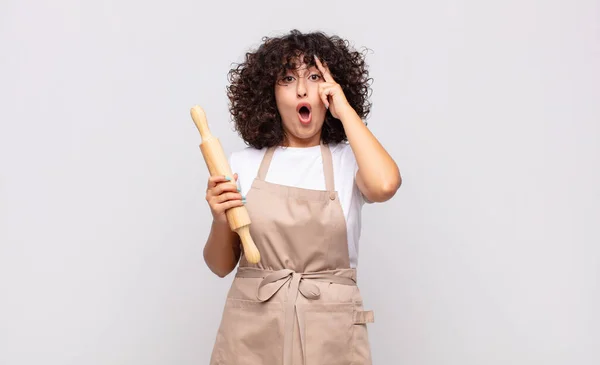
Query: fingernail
[[227, 178], [238, 189]]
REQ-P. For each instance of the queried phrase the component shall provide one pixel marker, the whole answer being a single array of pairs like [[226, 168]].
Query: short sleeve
[[351, 160], [362, 196]]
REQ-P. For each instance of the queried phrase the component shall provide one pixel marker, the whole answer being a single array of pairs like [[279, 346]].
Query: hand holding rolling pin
[[222, 197], [222, 193]]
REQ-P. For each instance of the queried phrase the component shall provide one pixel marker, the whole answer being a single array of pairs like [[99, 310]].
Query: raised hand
[[331, 92]]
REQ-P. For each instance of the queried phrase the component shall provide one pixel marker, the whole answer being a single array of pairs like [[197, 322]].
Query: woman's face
[[301, 109]]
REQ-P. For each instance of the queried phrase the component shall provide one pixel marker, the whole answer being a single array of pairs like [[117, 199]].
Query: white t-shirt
[[303, 168]]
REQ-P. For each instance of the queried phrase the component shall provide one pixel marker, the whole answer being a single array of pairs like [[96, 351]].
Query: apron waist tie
[[273, 281]]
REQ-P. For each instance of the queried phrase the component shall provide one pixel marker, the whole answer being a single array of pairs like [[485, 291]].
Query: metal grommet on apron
[[300, 304]]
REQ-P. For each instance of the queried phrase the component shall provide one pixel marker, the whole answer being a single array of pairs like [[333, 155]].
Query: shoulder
[[343, 155], [345, 162], [245, 163], [342, 148], [246, 155]]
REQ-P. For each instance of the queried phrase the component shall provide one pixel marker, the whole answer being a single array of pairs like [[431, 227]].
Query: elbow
[[219, 271], [221, 274], [386, 191], [215, 268], [390, 189], [391, 186]]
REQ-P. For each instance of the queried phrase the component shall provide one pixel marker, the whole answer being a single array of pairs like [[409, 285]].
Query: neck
[[291, 141]]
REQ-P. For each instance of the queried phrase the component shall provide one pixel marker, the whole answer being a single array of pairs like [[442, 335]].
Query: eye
[[315, 77], [285, 80]]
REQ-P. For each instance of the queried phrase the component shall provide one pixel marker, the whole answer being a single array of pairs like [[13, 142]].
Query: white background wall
[[489, 254]]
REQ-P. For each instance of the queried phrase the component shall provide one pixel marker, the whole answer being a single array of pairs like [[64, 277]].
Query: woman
[[299, 102]]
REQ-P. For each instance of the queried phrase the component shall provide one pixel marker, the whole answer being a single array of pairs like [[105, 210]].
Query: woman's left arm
[[378, 177]]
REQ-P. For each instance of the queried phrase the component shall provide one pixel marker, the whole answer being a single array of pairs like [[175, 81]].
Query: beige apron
[[300, 304]]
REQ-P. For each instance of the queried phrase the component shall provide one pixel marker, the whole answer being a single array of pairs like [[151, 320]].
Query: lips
[[304, 113]]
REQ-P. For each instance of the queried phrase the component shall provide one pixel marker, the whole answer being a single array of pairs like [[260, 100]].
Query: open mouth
[[304, 113]]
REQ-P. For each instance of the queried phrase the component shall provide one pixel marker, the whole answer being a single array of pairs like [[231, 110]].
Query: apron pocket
[[362, 348], [251, 333], [329, 334]]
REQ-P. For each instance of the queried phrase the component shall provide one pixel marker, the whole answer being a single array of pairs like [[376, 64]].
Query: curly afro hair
[[251, 91]]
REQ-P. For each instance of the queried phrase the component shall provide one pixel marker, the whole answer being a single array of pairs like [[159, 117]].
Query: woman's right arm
[[222, 249]]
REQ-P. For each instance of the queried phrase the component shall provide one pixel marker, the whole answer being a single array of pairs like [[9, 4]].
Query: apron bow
[[273, 282]]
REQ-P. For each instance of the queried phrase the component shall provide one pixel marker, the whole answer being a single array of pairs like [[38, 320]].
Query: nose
[[301, 89]]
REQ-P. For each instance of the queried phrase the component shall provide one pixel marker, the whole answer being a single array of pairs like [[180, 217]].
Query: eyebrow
[[308, 69]]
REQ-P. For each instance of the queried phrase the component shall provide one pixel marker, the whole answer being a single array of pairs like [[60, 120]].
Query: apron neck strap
[[327, 165], [265, 163]]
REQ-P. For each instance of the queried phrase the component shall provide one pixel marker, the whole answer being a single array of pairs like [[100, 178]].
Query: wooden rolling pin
[[214, 156]]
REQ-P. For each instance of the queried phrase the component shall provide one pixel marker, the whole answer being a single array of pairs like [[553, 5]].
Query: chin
[[303, 132]]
